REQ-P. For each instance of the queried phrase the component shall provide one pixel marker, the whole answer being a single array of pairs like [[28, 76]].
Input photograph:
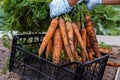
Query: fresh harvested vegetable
[[74, 39], [70, 35], [75, 49], [57, 47], [49, 47], [79, 38], [65, 39], [84, 36], [79, 25], [66, 56], [49, 35], [103, 50], [92, 35], [89, 49], [113, 64]]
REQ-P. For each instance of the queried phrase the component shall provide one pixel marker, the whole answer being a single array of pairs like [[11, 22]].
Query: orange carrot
[[64, 37], [57, 47], [113, 64], [79, 25], [77, 57], [92, 35], [49, 35], [70, 35], [79, 38], [66, 56], [75, 50], [103, 50], [84, 36], [89, 49], [49, 47]]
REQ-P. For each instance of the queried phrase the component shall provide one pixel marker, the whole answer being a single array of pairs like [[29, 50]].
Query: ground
[[109, 73]]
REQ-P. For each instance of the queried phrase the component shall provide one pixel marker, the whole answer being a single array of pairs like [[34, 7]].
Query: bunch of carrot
[[67, 35]]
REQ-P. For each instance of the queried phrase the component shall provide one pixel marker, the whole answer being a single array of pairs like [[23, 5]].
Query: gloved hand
[[58, 7], [92, 3]]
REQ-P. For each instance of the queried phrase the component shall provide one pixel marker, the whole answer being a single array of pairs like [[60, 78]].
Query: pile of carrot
[[76, 40]]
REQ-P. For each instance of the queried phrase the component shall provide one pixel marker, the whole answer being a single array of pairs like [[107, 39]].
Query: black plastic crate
[[25, 62]]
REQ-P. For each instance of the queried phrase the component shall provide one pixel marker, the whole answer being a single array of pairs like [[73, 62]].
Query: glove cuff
[[67, 5], [99, 2]]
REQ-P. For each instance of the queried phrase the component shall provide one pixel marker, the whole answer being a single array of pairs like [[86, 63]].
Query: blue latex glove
[[58, 7], [92, 3]]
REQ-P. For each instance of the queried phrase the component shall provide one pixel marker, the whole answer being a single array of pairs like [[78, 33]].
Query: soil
[[109, 73]]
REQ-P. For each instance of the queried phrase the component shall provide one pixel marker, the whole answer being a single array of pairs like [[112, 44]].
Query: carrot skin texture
[[113, 64], [79, 25], [76, 56], [76, 43], [84, 36], [66, 56], [57, 47], [89, 49], [49, 47], [79, 38], [75, 49], [70, 35], [52, 27], [103, 50], [92, 36], [64, 37]]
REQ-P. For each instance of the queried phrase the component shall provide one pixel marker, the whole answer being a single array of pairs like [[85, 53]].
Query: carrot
[[64, 37], [66, 56], [113, 64], [103, 50], [52, 27], [77, 56], [89, 49], [79, 25], [75, 48], [49, 47], [84, 36], [79, 38], [70, 35], [92, 35], [57, 47]]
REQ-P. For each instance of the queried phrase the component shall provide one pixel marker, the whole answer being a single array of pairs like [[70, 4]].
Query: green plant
[[103, 45], [6, 41], [26, 15], [6, 65], [106, 20], [2, 15]]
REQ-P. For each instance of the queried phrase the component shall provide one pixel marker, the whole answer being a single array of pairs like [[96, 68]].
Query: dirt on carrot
[[57, 47], [89, 49], [92, 35], [79, 38], [65, 39], [70, 35]]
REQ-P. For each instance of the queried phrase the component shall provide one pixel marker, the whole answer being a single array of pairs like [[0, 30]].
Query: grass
[[6, 65]]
